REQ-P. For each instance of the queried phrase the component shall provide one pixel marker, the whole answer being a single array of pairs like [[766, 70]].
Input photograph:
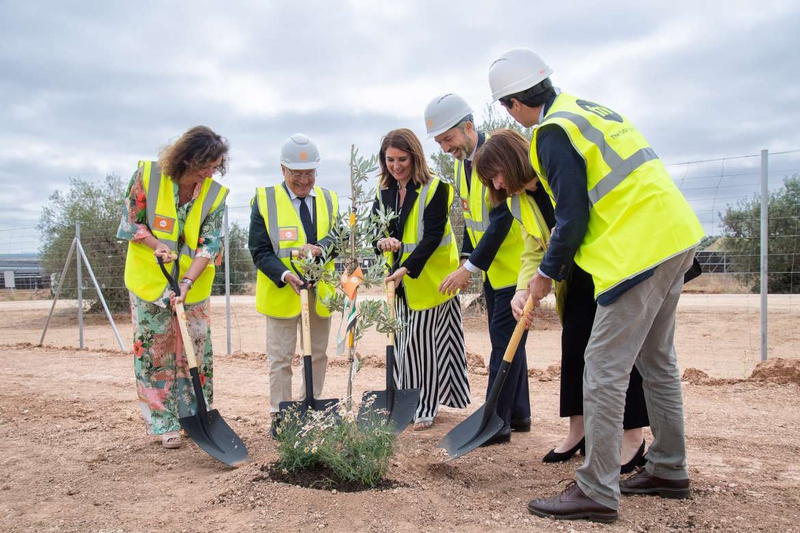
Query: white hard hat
[[444, 112], [515, 71], [300, 153]]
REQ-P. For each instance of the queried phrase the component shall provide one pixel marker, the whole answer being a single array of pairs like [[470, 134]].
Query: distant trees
[[98, 206], [741, 238]]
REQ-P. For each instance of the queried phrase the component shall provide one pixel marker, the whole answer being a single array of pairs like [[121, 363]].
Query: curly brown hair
[[405, 140], [506, 153], [194, 150]]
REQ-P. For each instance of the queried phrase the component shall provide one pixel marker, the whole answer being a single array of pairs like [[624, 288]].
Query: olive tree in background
[[98, 206]]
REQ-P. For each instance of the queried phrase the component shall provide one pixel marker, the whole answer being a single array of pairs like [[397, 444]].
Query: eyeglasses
[[211, 169], [302, 174]]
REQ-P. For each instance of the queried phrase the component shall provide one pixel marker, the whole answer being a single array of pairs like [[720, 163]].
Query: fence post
[[764, 249], [80, 287], [227, 243]]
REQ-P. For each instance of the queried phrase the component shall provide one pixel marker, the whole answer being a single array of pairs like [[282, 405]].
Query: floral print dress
[[163, 382]]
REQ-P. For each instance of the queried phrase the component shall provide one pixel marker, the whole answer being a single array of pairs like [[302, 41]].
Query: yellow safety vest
[[638, 218], [287, 235], [475, 205], [143, 277], [423, 293]]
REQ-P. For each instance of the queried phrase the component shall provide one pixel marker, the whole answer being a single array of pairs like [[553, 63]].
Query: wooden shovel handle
[[188, 345], [390, 302], [519, 329]]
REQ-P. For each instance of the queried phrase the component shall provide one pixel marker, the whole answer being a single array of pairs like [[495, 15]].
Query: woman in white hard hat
[[430, 348], [173, 208]]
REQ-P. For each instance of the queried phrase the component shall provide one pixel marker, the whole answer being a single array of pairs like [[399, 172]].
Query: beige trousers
[[282, 337]]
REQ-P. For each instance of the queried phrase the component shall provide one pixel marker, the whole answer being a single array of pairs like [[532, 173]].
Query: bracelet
[[188, 282]]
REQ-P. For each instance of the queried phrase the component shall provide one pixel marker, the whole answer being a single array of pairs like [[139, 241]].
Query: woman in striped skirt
[[429, 349]]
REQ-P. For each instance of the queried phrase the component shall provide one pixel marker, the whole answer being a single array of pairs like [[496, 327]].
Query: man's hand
[[397, 277], [388, 244], [293, 281], [539, 286], [455, 281], [310, 250]]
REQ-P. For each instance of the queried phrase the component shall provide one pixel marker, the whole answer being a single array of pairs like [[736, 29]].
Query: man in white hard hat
[[621, 218], [491, 245], [295, 215]]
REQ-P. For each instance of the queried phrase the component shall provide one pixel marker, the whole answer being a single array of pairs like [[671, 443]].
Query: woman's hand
[[518, 306], [388, 244], [175, 299], [397, 277], [162, 250]]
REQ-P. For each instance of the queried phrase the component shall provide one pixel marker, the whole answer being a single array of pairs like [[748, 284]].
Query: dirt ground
[[74, 456]]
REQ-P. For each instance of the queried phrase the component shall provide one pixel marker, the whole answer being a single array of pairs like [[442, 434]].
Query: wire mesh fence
[[724, 193]]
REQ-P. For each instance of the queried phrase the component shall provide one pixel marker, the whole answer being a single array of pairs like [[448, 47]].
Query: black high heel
[[638, 460], [559, 457]]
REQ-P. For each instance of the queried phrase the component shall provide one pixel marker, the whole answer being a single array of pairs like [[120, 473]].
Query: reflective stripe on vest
[[286, 234], [423, 292], [504, 269], [638, 217], [423, 200], [142, 275], [620, 168]]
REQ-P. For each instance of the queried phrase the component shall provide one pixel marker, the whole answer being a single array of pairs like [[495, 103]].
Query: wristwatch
[[188, 282]]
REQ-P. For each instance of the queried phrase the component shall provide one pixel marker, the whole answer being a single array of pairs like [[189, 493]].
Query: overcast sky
[[89, 88]]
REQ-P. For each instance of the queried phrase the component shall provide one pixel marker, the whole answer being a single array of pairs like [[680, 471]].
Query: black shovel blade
[[303, 406], [215, 437], [375, 408], [471, 433]]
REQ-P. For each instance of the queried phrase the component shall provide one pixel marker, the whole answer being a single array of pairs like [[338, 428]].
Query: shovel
[[397, 406], [309, 402], [484, 423], [206, 428]]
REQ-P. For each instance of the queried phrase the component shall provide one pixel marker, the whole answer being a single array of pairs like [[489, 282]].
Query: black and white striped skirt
[[430, 355]]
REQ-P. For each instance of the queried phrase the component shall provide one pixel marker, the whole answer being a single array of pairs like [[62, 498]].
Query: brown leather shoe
[[644, 483], [572, 504]]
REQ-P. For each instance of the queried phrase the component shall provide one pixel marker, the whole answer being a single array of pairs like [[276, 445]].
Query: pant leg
[[198, 324], [514, 399], [619, 334], [658, 365], [320, 333], [281, 343], [579, 312], [155, 365], [635, 403]]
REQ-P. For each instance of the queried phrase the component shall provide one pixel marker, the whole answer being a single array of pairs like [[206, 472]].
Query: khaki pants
[[639, 328], [282, 340]]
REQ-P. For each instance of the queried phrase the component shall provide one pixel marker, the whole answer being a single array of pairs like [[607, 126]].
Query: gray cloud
[[88, 89]]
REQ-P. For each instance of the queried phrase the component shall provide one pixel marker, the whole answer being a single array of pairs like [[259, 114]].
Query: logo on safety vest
[[287, 234], [465, 205], [599, 110], [163, 223]]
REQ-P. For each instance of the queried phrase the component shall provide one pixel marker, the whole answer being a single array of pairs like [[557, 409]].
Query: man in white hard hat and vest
[[491, 245], [621, 218], [293, 216]]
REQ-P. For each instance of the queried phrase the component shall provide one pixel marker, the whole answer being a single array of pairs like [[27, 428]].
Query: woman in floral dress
[[173, 210]]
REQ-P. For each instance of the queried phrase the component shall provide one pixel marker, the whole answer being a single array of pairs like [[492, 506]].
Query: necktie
[[468, 171], [305, 218]]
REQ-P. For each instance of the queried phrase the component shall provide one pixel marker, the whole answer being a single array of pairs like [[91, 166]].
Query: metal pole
[[58, 289], [80, 288], [82, 253], [227, 242], [764, 249]]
